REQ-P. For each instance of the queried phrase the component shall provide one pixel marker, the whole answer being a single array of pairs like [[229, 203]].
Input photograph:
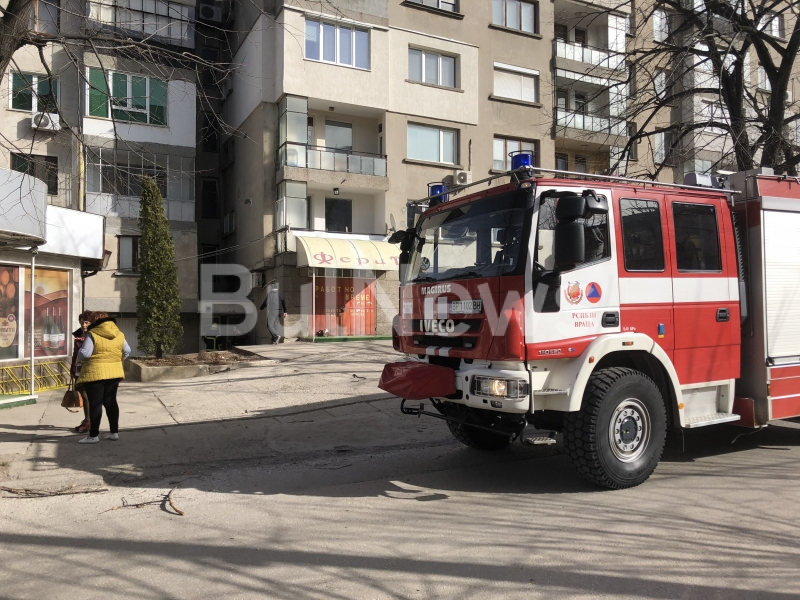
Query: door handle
[[610, 319], [723, 315]]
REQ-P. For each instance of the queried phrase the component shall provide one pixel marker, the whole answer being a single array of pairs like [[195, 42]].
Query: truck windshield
[[481, 239]]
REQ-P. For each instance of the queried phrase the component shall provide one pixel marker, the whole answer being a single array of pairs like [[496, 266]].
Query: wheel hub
[[629, 430]]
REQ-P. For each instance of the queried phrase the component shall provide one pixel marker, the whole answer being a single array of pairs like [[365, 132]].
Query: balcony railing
[[331, 159], [588, 55], [593, 123]]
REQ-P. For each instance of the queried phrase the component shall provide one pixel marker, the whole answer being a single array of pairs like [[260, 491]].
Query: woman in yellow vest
[[103, 351]]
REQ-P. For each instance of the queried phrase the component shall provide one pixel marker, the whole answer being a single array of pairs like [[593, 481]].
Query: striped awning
[[346, 253]]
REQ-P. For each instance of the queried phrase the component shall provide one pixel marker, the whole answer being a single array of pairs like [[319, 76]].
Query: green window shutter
[[158, 102], [139, 93], [119, 89], [21, 164], [21, 91], [98, 94], [47, 92]]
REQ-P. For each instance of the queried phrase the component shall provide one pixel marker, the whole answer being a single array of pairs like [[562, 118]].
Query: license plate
[[466, 307]]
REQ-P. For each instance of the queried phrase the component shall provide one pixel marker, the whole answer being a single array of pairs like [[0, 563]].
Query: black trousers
[[101, 394]]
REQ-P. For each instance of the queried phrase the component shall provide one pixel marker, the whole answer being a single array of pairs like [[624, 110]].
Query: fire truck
[[603, 310]]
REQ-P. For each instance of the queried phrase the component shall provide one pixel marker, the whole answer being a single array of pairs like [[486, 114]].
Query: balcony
[[321, 158], [127, 207], [590, 123], [588, 55]]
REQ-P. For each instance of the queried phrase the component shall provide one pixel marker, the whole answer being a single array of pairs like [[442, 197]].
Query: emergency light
[[520, 158], [437, 189]]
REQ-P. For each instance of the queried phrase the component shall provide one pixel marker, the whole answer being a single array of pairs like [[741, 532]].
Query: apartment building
[[346, 112], [92, 122], [707, 149]]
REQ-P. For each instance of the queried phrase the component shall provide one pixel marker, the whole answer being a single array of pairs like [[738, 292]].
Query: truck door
[[561, 320], [645, 268], [701, 288]]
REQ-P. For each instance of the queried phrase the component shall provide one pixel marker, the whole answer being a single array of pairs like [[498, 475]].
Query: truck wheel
[[478, 438], [617, 438]]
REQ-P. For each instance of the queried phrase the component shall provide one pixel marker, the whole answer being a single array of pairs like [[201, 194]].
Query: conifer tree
[[158, 303]]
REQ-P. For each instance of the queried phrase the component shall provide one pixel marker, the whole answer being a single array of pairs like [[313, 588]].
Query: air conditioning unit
[[46, 121], [212, 14], [463, 177]]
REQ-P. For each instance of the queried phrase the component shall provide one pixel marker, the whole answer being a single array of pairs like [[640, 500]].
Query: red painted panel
[[714, 363], [783, 372], [696, 326], [782, 188], [646, 319], [745, 408], [786, 407], [784, 387]]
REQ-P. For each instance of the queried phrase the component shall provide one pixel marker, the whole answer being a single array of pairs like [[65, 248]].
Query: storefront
[[353, 280]]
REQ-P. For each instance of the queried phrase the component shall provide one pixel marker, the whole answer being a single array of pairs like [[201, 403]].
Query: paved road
[[299, 480]]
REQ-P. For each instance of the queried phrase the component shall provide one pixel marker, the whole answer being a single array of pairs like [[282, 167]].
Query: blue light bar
[[437, 188], [520, 159]]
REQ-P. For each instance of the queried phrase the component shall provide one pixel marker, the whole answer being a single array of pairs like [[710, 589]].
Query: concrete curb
[[136, 371]]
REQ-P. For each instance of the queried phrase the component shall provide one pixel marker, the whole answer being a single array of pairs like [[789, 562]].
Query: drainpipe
[[34, 252]]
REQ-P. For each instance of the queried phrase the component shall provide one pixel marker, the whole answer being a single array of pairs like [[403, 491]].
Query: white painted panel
[[128, 329], [73, 233], [702, 289], [23, 204], [645, 290], [782, 282]]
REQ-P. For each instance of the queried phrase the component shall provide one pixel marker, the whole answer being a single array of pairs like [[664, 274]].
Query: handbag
[[72, 398]]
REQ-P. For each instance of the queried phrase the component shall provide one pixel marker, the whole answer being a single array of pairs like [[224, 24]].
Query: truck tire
[[478, 438], [616, 439]]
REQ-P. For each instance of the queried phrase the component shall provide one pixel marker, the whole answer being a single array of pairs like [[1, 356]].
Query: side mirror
[[398, 236], [569, 245]]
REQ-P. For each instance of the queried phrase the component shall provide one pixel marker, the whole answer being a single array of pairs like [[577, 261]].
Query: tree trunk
[[14, 26]]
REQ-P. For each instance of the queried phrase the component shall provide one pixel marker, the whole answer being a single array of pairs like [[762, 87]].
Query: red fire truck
[[604, 309]]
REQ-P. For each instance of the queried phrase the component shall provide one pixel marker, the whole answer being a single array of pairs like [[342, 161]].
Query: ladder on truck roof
[[583, 176]]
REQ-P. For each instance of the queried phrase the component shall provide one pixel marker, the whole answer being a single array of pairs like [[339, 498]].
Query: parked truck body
[[605, 310]]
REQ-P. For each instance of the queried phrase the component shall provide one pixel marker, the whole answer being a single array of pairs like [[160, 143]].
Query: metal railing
[[51, 375], [589, 55], [331, 159], [593, 123]]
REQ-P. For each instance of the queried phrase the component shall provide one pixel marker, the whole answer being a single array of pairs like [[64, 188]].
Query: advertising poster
[[9, 312], [51, 331]]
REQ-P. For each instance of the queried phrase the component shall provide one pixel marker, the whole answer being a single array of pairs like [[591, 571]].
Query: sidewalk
[[316, 399]]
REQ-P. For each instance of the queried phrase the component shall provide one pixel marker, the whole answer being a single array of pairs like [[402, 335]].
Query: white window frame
[[337, 28], [660, 25], [439, 57], [34, 85], [171, 21], [535, 7], [109, 76], [129, 94], [522, 72], [506, 157], [439, 3], [441, 131], [762, 80]]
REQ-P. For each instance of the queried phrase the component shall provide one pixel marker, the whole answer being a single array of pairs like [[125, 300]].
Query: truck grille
[[467, 325], [445, 342]]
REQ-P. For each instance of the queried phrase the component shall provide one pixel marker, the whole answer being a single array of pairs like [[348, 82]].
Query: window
[[338, 215], [665, 24], [772, 24], [35, 93], [125, 97], [229, 223], [561, 33], [662, 152], [432, 144], [713, 111], [515, 14], [561, 99], [595, 234], [580, 37], [165, 21], [502, 147], [581, 103], [44, 16], [763, 81], [642, 240], [562, 162], [41, 167], [120, 172], [517, 85], [581, 164], [209, 196], [128, 254], [440, 4], [429, 67], [210, 133], [339, 44], [293, 205], [696, 237], [338, 135], [633, 150]]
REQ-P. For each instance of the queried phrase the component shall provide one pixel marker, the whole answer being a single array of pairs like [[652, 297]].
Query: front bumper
[[464, 394]]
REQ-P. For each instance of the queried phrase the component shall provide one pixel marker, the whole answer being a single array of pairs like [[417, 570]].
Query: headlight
[[502, 388]]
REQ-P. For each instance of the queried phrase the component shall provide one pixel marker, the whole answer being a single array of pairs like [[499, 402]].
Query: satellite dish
[[393, 222]]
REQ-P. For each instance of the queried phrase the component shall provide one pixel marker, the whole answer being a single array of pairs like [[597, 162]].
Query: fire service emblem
[[573, 292]]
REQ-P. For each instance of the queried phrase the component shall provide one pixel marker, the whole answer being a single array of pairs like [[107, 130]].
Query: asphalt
[[299, 478]]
